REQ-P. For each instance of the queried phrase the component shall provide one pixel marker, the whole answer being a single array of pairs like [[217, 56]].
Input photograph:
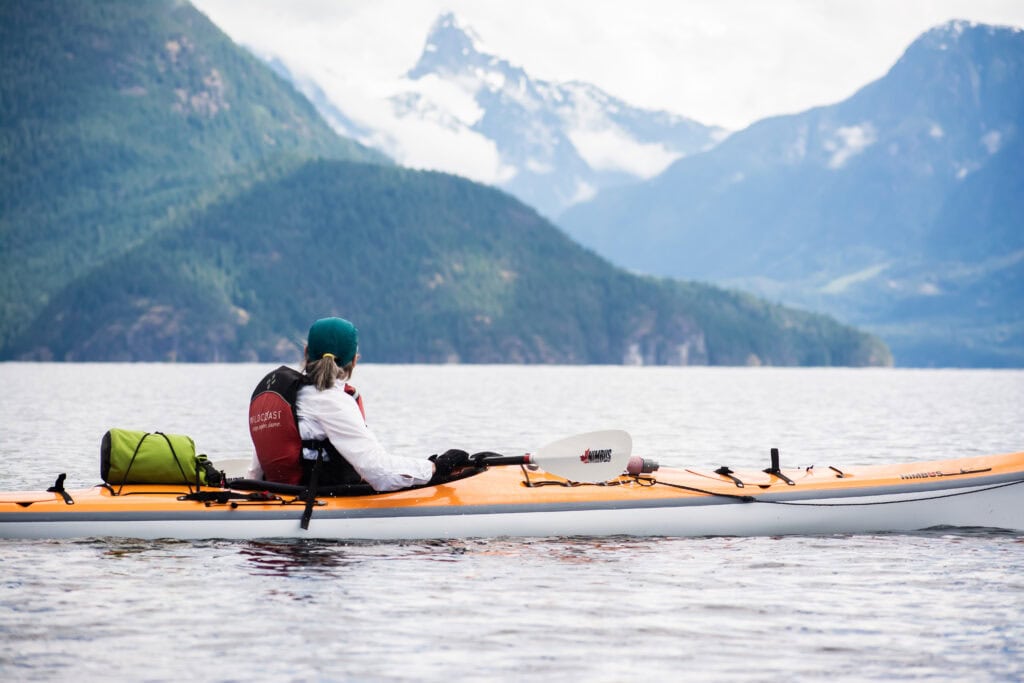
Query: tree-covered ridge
[[117, 118], [433, 268]]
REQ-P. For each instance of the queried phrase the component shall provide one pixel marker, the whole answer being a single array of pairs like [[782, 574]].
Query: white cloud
[[446, 96], [426, 145], [611, 149]]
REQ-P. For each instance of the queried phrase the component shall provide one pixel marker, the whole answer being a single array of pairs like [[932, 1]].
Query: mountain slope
[[893, 209], [118, 118], [462, 110], [433, 268]]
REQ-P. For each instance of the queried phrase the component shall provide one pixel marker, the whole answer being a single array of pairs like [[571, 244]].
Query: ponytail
[[324, 372]]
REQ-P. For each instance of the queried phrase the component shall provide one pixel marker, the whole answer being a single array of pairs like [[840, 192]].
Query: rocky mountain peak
[[450, 49], [959, 42]]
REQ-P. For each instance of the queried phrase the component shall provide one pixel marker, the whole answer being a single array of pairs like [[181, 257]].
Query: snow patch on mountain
[[845, 282], [584, 192], [797, 151], [992, 141], [849, 141]]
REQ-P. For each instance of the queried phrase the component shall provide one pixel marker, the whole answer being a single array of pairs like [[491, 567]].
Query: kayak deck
[[983, 491]]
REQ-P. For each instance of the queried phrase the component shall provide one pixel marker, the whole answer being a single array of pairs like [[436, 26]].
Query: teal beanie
[[335, 336]]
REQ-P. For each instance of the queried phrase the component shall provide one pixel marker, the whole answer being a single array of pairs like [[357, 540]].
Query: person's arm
[[339, 417]]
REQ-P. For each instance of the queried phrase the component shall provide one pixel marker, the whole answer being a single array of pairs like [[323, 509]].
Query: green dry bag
[[134, 457]]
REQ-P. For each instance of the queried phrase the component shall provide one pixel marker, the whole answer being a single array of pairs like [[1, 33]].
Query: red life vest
[[274, 424]]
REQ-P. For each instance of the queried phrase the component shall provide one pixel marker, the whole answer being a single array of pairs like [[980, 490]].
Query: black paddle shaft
[[489, 458]]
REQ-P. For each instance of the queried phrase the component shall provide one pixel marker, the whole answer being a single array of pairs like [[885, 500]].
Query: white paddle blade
[[234, 468], [591, 457]]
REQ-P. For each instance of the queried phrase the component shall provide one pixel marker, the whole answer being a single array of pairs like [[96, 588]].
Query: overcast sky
[[724, 62]]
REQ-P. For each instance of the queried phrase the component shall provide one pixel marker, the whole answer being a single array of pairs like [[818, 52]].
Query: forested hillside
[[433, 268], [119, 118]]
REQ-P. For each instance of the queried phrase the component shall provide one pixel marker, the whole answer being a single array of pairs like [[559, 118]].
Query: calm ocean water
[[942, 605]]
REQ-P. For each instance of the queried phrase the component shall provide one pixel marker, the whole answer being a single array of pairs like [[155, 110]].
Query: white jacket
[[332, 414]]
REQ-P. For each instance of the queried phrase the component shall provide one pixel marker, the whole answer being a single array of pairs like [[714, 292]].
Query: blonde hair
[[324, 372]]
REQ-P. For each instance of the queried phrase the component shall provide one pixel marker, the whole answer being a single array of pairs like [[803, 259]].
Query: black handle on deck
[[774, 469], [492, 458]]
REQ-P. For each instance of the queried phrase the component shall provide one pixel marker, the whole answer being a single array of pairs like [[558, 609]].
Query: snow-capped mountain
[[898, 209], [464, 111]]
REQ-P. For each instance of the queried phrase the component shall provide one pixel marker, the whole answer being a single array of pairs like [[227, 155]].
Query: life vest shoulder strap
[[354, 393], [284, 381]]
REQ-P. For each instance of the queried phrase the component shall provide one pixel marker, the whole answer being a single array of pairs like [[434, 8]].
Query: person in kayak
[[329, 416]]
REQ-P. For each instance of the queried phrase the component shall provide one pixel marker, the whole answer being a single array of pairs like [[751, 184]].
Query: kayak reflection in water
[[297, 419]]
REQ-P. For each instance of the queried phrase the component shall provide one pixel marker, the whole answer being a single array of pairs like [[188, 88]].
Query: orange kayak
[[512, 501]]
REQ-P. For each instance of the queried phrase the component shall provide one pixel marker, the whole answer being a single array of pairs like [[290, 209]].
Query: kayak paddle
[[591, 457]]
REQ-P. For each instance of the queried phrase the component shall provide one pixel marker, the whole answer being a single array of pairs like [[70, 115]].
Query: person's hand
[[448, 462]]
